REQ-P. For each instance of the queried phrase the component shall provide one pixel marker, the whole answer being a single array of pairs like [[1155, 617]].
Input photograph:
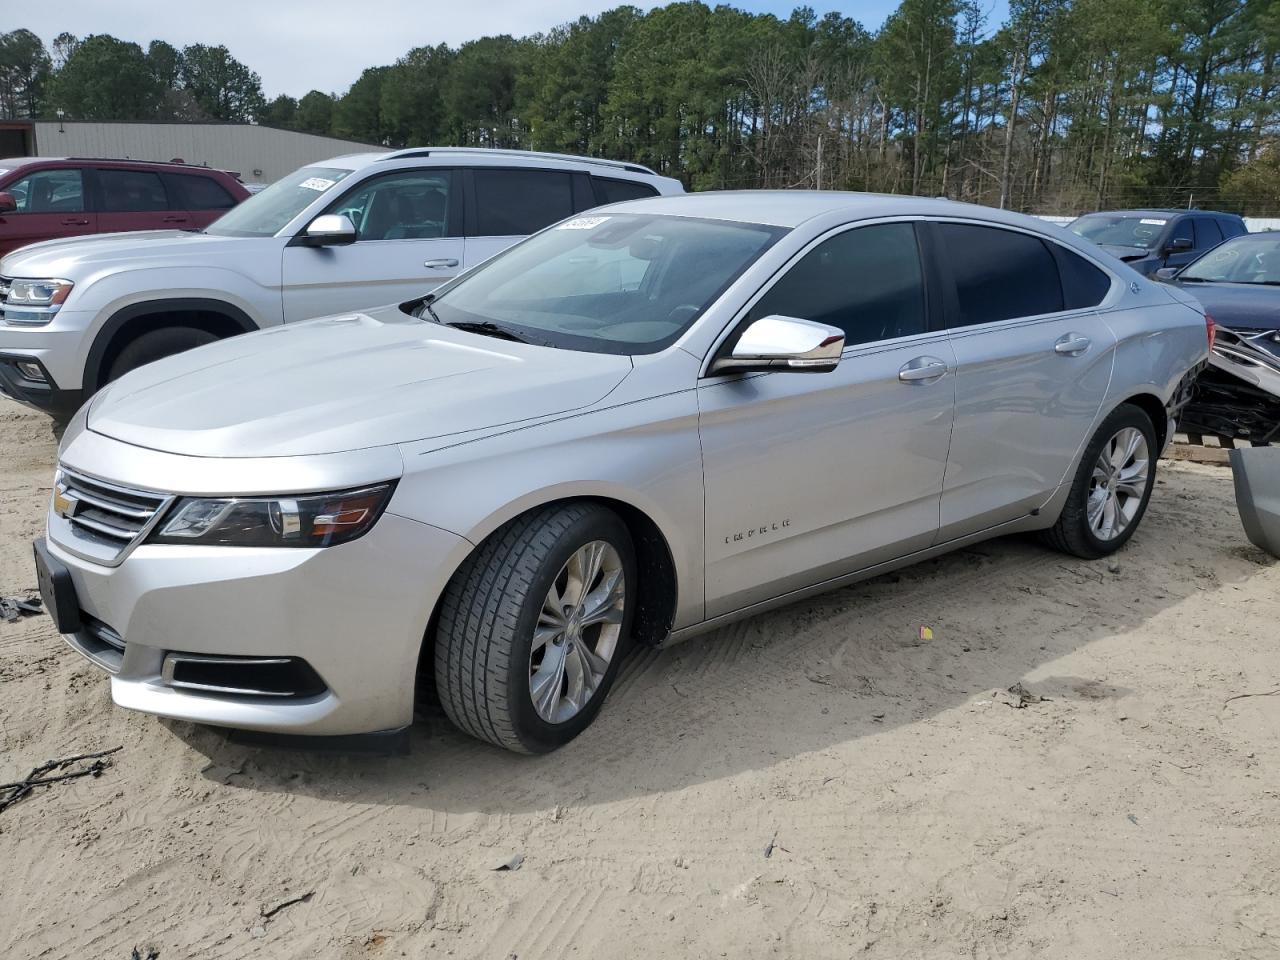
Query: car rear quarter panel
[[1159, 339]]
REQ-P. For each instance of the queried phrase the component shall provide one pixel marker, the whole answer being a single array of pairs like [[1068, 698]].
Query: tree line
[[1066, 106]]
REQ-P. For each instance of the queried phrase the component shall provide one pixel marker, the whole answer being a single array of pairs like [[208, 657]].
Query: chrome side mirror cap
[[329, 230], [784, 343]]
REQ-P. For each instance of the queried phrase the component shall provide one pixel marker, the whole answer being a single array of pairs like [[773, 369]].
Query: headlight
[[35, 301], [307, 520]]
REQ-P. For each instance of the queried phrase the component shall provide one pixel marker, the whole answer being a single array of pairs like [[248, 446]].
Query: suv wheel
[[156, 345], [534, 625], [1112, 487]]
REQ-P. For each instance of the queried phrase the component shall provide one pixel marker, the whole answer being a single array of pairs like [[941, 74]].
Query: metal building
[[258, 154]]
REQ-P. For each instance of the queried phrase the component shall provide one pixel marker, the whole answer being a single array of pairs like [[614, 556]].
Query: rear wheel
[[1112, 487], [533, 627], [156, 345]]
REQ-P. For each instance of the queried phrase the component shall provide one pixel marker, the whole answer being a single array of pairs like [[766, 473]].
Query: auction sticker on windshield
[[582, 223], [1155, 223], [317, 183]]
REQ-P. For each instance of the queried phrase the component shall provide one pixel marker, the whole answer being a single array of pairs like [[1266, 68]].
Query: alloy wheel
[[1119, 483], [577, 633]]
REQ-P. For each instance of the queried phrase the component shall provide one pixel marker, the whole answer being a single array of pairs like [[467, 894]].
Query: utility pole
[[819, 161]]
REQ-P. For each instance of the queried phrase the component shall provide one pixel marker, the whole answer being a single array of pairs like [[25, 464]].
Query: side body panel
[[809, 476]]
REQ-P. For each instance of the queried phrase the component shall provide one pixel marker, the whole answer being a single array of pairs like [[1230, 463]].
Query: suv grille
[[5, 283], [99, 520]]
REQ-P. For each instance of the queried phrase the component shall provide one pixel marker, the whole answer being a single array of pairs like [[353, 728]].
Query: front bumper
[[42, 393], [356, 613], [59, 349]]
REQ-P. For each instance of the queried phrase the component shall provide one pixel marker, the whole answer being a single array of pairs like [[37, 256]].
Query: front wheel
[[156, 345], [533, 627], [1112, 487]]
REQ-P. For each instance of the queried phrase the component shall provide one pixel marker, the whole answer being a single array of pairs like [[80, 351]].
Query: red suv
[[45, 198]]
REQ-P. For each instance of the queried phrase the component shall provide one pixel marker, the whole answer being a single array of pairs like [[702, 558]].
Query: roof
[[790, 208], [1164, 214], [9, 163]]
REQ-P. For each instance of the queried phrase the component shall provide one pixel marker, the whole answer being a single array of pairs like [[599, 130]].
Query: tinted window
[[1208, 233], [412, 205], [132, 191], [1083, 284], [49, 191], [866, 281], [1231, 227], [1000, 274], [519, 202], [205, 193], [617, 191], [1182, 230]]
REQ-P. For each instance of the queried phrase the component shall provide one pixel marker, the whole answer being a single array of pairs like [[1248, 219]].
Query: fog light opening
[[31, 371]]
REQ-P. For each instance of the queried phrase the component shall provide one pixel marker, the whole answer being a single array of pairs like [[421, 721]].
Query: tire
[[1077, 531], [156, 345], [488, 662]]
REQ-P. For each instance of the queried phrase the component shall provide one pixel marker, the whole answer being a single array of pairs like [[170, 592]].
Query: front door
[[1033, 367], [51, 203], [407, 241], [810, 476]]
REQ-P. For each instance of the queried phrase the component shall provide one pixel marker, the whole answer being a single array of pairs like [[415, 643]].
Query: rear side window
[[512, 203], [132, 191], [609, 190], [205, 193], [1000, 274], [1083, 284], [866, 281], [1208, 233], [49, 191]]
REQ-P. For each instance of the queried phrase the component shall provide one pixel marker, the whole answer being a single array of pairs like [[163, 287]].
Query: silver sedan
[[632, 427]]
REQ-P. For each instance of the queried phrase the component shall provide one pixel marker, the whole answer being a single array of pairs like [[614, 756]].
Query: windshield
[[617, 283], [1243, 260], [1120, 230], [264, 214]]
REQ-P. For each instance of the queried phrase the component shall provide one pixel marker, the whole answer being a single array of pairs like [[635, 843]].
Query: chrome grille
[[5, 283], [99, 520]]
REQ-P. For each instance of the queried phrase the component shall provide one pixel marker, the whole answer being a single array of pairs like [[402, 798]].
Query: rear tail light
[[1211, 329]]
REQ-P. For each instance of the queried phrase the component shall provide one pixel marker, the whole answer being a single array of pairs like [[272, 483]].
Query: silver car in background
[[631, 427]]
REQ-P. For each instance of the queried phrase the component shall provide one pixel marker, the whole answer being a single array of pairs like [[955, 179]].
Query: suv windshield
[[1243, 260], [612, 283], [1120, 230], [265, 213]]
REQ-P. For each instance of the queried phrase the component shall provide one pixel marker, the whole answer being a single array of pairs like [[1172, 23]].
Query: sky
[[299, 46]]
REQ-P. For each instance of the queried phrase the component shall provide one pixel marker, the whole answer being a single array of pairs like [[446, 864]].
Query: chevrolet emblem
[[64, 504]]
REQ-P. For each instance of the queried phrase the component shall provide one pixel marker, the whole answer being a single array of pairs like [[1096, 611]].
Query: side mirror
[[7, 203], [1167, 273], [1178, 245], [329, 230], [784, 343]]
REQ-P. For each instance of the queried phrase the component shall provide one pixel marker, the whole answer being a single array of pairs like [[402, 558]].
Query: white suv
[[350, 233]]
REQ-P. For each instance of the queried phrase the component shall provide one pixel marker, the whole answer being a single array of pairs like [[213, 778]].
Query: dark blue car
[[1238, 394], [1148, 240]]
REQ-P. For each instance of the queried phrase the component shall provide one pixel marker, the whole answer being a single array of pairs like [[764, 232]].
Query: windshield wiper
[[486, 327]]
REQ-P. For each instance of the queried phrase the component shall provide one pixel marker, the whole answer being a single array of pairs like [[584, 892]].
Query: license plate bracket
[[57, 589]]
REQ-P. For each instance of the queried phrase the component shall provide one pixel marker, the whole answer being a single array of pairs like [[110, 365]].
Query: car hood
[[69, 257], [1127, 254], [345, 383], [1241, 306]]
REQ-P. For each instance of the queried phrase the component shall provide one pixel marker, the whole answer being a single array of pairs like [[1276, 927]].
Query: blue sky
[[297, 46]]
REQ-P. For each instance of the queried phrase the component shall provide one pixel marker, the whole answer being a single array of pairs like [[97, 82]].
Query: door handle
[[922, 370], [441, 263], [73, 222], [175, 220], [1072, 345]]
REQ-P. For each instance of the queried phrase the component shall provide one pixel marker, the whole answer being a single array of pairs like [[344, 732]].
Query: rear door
[[52, 203], [1033, 366], [203, 199], [408, 240], [506, 204], [136, 200]]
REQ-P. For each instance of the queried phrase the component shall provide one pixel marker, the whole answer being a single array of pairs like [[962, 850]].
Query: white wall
[[258, 154]]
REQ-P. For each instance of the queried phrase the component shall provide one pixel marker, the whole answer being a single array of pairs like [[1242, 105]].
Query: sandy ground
[[912, 810]]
